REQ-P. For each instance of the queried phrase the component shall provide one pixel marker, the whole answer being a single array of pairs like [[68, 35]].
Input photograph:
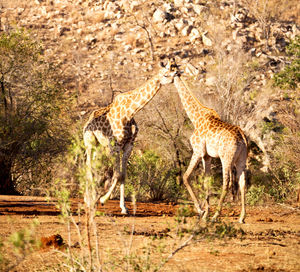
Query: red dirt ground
[[270, 239], [28, 205]]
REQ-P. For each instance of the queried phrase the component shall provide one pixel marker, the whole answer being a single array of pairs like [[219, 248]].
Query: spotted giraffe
[[213, 137], [115, 124]]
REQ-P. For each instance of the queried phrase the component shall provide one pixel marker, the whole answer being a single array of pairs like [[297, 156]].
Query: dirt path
[[270, 240], [28, 205]]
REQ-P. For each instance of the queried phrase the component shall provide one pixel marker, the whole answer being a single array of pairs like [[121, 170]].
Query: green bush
[[18, 246], [33, 113], [282, 181], [255, 194], [289, 77], [152, 178]]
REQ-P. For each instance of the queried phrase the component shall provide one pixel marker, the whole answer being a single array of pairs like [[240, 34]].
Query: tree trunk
[[6, 183]]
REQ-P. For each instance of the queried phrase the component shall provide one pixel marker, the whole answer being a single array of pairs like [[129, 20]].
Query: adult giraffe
[[213, 137], [115, 124]]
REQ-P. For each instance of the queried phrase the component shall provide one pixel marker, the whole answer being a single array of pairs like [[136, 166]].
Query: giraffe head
[[167, 72]]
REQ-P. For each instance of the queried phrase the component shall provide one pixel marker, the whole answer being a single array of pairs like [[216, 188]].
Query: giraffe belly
[[101, 138], [212, 150]]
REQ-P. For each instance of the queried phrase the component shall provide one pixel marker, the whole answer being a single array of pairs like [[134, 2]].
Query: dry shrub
[[232, 76], [289, 148], [273, 10]]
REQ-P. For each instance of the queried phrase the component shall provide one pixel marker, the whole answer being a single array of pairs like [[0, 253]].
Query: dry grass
[[266, 10]]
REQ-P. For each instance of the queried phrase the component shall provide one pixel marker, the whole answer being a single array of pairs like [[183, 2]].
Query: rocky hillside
[[229, 49]]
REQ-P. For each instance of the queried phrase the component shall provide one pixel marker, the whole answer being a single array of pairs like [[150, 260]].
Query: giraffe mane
[[198, 102], [99, 112]]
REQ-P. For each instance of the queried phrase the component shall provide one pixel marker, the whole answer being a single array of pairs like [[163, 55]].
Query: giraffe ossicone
[[115, 123], [213, 137]]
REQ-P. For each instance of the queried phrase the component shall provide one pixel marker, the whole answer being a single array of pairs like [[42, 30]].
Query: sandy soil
[[268, 241]]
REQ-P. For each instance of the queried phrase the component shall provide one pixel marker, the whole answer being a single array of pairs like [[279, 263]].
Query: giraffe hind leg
[[206, 160], [234, 186], [115, 179], [241, 176], [227, 176]]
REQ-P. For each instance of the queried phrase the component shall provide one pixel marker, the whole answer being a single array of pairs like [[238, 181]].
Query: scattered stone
[[198, 9], [178, 3], [159, 16], [211, 81], [206, 41], [187, 30], [181, 24], [195, 34]]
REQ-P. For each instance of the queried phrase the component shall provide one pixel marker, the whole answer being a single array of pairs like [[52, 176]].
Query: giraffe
[[114, 127], [213, 137]]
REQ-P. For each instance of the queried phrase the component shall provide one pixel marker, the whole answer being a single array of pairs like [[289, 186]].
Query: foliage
[[210, 231], [255, 194], [223, 230], [283, 179], [152, 178], [289, 77], [33, 105], [286, 155], [90, 190], [267, 126], [286, 182], [21, 244]]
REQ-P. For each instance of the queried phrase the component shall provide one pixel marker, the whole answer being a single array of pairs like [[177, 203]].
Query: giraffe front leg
[[127, 151], [193, 163], [104, 198]]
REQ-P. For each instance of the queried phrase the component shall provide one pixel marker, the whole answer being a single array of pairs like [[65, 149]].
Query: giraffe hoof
[[199, 211], [124, 211], [242, 221], [102, 201], [214, 219], [205, 217]]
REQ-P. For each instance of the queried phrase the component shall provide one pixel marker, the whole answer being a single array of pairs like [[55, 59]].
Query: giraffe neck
[[128, 104], [194, 109]]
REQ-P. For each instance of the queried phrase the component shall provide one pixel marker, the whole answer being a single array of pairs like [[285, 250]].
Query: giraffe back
[[218, 138], [94, 115], [216, 126], [102, 127]]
